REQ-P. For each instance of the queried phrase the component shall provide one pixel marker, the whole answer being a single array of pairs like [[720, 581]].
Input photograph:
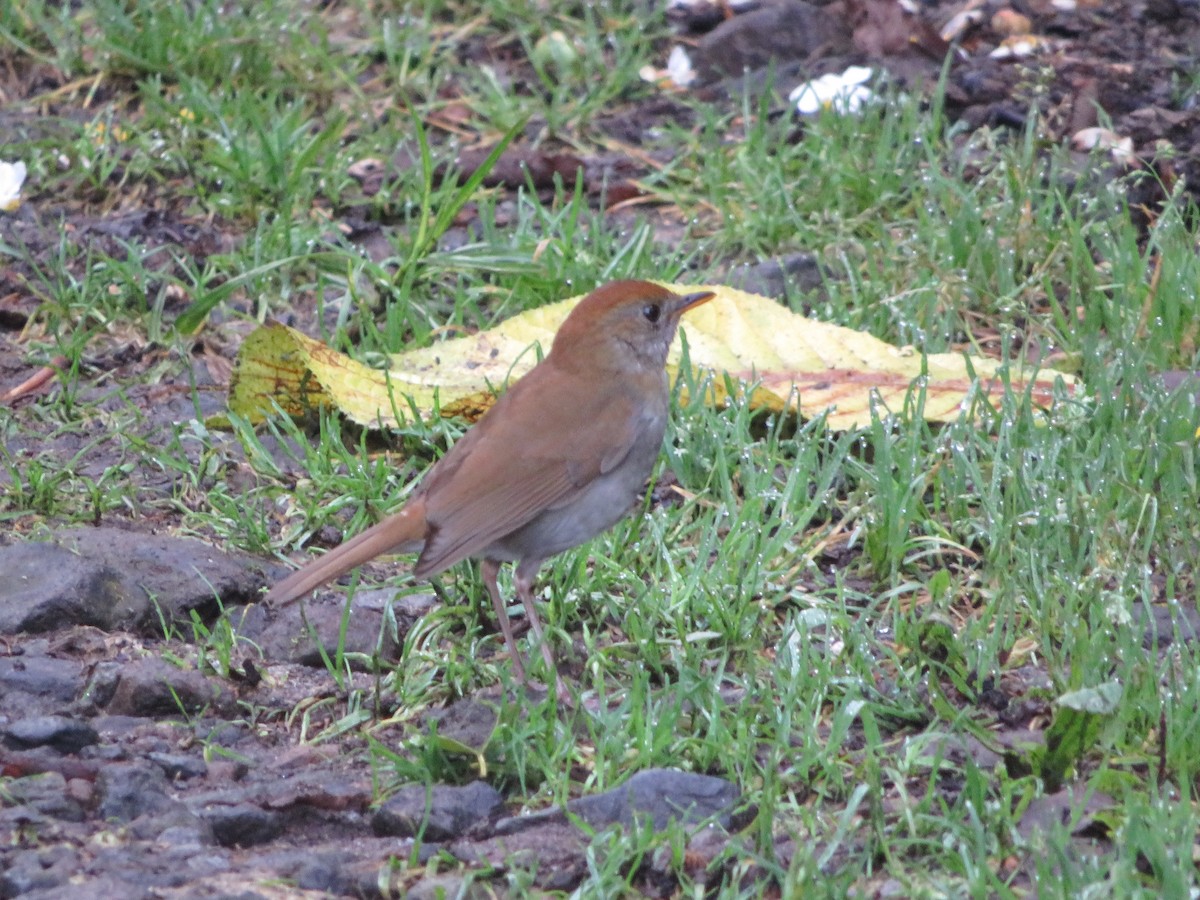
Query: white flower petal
[[1120, 148], [806, 99], [842, 93], [850, 102], [12, 176], [679, 67], [857, 75]]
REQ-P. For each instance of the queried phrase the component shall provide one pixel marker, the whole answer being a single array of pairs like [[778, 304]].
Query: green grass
[[825, 618]]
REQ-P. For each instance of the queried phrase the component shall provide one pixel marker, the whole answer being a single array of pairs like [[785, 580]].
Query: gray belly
[[598, 507]]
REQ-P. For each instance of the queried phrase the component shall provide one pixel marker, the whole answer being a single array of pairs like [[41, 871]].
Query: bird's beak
[[688, 301]]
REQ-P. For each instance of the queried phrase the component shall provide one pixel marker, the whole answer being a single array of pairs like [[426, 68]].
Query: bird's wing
[[523, 458]]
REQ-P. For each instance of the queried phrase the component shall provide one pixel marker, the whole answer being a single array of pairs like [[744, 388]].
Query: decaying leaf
[[793, 363]]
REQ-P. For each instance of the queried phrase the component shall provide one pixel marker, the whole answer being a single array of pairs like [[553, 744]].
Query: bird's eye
[[652, 312]]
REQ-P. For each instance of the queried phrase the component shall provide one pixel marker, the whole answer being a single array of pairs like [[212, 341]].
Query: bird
[[558, 459]]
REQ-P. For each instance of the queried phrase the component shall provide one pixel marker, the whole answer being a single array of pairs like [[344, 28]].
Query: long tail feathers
[[403, 532]]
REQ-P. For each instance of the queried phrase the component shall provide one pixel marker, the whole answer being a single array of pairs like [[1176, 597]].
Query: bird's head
[[623, 324]]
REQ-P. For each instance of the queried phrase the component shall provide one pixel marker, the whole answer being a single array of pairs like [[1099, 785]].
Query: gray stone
[[661, 795], [150, 687], [1182, 381], [557, 851], [345, 866], [175, 819], [296, 632], [468, 721], [179, 766], [105, 885], [557, 848], [45, 795], [323, 872], [787, 276], [438, 813], [101, 685], [126, 791], [37, 869], [1164, 623], [776, 33], [61, 733], [186, 838], [657, 796], [41, 676], [242, 825], [446, 884], [116, 579]]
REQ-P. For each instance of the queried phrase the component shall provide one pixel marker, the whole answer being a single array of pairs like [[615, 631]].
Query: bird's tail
[[402, 532]]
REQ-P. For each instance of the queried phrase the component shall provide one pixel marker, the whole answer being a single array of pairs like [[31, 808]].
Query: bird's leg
[[490, 569], [523, 579]]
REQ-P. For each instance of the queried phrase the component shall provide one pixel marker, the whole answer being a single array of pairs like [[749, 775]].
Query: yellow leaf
[[797, 363]]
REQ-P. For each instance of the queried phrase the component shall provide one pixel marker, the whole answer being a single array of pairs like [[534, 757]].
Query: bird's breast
[[595, 508]]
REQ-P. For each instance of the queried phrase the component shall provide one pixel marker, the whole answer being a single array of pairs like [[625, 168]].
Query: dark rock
[[556, 848], [288, 633], [113, 728], [319, 789], [1077, 806], [37, 869], [782, 32], [470, 722], [126, 791], [445, 884], [102, 684], [349, 865], [59, 732], [178, 766], [105, 885], [557, 851], [17, 763], [44, 794], [438, 813], [323, 872], [82, 791], [186, 837], [661, 795], [1182, 381], [697, 18], [22, 821], [1164, 623], [40, 676], [227, 771], [368, 870], [701, 859], [229, 734], [242, 825], [106, 577], [655, 795], [788, 276], [1164, 10], [151, 687], [187, 829]]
